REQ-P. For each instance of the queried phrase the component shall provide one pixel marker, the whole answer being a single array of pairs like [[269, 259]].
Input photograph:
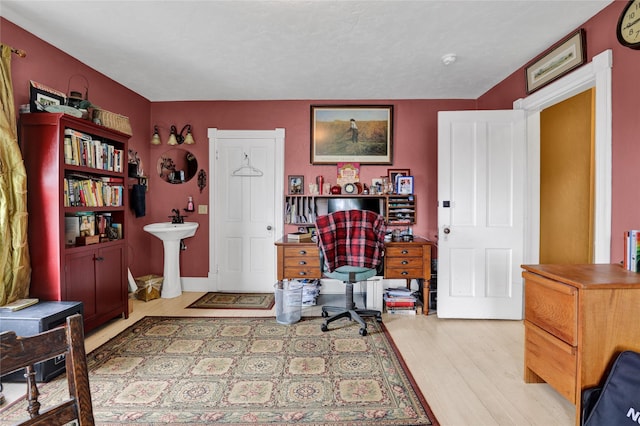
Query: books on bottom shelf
[[400, 301]]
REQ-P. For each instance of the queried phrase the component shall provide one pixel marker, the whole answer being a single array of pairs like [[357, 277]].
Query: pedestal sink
[[171, 234]]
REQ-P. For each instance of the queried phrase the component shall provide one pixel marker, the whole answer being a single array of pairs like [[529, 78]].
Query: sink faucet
[[176, 218]]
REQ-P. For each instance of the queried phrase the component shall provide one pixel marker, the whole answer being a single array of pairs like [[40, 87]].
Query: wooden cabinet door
[[80, 281], [109, 279]]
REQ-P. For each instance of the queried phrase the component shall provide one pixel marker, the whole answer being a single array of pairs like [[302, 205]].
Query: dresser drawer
[[552, 359], [552, 306]]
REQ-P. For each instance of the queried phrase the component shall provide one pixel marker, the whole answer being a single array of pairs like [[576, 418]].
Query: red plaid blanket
[[351, 237]]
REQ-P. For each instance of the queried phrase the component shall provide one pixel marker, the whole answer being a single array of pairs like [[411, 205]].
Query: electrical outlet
[[202, 209]]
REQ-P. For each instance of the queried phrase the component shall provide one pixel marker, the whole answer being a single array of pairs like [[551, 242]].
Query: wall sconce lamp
[[155, 139], [175, 138]]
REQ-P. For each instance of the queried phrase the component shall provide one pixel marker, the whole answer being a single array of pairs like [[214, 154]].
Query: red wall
[[415, 136], [601, 35]]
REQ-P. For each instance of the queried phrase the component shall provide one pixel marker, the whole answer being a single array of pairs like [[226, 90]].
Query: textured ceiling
[[275, 50]]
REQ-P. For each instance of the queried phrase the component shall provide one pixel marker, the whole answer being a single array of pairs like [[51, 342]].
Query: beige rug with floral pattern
[[247, 371]]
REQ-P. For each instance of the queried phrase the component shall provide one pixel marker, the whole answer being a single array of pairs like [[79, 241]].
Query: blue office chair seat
[[350, 275]]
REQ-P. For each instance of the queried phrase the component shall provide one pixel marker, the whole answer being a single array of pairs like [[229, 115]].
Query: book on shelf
[[19, 304], [299, 236], [631, 260], [400, 311]]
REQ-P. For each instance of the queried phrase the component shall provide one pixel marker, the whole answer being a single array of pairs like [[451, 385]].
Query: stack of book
[[400, 301], [631, 260], [300, 236]]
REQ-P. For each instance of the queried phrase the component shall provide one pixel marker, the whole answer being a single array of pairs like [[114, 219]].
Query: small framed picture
[[42, 96], [296, 185], [404, 184], [393, 173]]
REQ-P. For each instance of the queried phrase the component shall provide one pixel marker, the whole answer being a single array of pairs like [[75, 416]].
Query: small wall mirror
[[177, 166]]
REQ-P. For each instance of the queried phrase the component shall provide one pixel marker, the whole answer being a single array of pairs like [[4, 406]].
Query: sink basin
[[172, 231], [171, 234]]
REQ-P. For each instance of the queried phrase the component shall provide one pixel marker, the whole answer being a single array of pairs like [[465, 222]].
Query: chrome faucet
[[176, 218]]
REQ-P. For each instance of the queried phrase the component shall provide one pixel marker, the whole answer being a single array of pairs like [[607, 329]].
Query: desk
[[577, 319], [402, 260]]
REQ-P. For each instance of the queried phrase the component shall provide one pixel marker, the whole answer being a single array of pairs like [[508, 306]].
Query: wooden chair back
[[24, 352]]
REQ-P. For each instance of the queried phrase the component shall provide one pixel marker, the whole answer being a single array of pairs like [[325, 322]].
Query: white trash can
[[288, 295]]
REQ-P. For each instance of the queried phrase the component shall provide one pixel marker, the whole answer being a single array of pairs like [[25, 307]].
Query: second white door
[[247, 208]]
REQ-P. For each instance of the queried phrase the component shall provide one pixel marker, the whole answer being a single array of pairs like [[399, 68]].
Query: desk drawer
[[310, 250], [300, 272], [404, 272], [552, 306], [404, 251], [551, 359]]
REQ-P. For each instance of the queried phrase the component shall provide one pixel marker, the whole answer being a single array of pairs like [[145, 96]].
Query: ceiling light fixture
[[449, 58]]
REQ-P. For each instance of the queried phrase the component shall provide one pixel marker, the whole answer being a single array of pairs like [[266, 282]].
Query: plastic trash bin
[[288, 295]]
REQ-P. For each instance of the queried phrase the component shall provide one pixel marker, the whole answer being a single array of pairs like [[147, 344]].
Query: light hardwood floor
[[470, 371]]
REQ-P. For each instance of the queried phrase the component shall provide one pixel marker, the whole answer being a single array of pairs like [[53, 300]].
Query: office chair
[[24, 352], [351, 248]]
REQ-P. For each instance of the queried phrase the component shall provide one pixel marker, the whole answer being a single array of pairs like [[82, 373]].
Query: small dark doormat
[[216, 300]]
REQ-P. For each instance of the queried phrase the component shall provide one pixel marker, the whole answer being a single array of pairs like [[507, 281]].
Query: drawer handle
[[302, 262], [405, 273], [302, 252], [405, 251], [99, 258], [302, 273], [405, 262]]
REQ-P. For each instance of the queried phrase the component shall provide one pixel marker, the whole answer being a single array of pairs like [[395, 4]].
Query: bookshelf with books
[[76, 201]]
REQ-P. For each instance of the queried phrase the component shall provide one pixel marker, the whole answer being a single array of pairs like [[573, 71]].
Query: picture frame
[[563, 57], [296, 185], [41, 96], [404, 185], [351, 134], [392, 174]]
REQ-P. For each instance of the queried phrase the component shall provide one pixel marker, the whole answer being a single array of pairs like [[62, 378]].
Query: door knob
[[269, 227], [447, 230]]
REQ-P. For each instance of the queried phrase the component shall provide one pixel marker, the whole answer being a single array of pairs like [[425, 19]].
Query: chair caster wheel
[[325, 314], [363, 331], [324, 327]]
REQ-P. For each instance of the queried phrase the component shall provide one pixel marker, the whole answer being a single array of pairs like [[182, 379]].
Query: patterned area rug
[[247, 371], [215, 300]]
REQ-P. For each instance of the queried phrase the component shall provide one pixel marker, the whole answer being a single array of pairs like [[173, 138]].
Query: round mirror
[[177, 166]]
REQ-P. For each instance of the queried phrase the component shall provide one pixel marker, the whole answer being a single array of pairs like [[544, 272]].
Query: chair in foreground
[[18, 353], [351, 247]]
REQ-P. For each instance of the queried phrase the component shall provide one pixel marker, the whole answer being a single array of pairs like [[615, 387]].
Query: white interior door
[[481, 187], [247, 208]]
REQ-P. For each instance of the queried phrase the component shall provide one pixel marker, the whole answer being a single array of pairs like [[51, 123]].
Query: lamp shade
[[155, 139]]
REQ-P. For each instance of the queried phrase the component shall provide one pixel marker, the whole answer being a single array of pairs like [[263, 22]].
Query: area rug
[[216, 300], [247, 371]]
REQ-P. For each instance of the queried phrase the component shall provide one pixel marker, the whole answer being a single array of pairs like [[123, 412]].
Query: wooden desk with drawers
[[402, 260], [578, 318]]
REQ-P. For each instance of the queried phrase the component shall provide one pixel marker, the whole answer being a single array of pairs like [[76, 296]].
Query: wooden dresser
[[577, 319]]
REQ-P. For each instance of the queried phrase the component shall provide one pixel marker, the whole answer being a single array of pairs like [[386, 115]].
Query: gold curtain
[[14, 249]]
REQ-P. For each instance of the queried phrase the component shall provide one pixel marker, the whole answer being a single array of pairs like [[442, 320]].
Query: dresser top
[[589, 276]]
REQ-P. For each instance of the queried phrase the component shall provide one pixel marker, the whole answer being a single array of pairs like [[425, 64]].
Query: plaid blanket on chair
[[351, 237]]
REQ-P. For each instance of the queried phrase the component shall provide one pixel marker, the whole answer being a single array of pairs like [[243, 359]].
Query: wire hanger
[[247, 169]]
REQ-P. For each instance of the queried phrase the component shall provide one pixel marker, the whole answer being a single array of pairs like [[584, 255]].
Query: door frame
[[277, 135], [596, 73]]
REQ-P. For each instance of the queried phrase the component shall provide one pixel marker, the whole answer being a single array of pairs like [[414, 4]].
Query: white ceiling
[[310, 50]]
